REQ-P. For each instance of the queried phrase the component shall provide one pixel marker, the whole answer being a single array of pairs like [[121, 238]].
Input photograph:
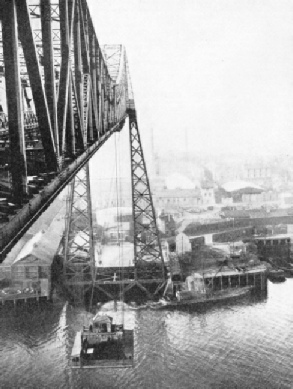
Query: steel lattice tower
[[147, 246], [148, 256], [79, 249]]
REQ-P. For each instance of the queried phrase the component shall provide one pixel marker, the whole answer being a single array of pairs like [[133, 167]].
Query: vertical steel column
[[84, 36], [109, 100], [108, 87], [78, 122], [93, 65], [93, 101], [90, 118], [99, 87], [49, 70], [32, 63], [13, 92], [77, 59], [70, 133], [111, 85], [64, 74], [114, 103], [106, 105], [102, 97]]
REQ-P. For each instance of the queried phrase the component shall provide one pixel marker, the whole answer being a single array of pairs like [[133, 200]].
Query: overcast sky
[[220, 70]]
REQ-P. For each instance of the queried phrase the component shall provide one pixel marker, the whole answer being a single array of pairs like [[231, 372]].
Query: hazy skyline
[[220, 70]]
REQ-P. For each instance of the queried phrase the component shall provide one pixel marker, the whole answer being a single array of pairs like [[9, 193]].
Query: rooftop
[[233, 186]]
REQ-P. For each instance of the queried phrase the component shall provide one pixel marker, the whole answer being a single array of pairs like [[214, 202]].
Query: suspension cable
[[118, 215]]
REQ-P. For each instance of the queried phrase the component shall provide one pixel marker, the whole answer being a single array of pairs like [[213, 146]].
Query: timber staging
[[127, 290], [113, 283]]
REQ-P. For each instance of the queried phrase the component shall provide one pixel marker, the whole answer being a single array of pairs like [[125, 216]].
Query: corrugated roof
[[229, 272]]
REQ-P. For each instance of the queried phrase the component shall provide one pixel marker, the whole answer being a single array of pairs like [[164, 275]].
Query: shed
[[32, 266]]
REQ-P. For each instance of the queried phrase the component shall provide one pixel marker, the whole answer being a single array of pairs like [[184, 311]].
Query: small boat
[[193, 291], [225, 294], [102, 344], [276, 275], [288, 271]]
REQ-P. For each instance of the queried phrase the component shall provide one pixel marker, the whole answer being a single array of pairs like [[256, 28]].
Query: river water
[[244, 344]]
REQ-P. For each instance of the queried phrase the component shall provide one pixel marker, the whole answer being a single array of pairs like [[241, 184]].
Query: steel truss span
[[60, 101]]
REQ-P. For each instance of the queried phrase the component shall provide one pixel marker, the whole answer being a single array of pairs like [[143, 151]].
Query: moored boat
[[225, 294], [288, 270], [194, 291], [279, 272], [276, 275]]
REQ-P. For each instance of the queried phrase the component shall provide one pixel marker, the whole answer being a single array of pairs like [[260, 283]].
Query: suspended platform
[[89, 360], [103, 345]]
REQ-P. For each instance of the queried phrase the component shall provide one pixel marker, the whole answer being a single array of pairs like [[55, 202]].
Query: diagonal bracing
[[147, 246], [78, 248]]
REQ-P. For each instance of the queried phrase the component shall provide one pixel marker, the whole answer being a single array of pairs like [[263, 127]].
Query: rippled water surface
[[245, 344]]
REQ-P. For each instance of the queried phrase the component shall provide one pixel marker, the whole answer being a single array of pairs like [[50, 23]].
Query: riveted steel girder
[[49, 69], [32, 61], [13, 92]]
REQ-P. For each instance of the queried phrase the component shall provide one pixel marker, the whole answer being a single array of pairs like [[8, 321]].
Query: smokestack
[[187, 147], [154, 163]]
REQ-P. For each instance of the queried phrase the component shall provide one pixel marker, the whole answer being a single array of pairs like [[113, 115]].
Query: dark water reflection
[[247, 344]]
